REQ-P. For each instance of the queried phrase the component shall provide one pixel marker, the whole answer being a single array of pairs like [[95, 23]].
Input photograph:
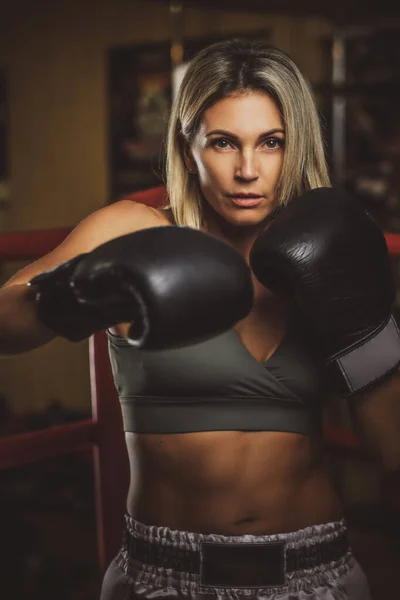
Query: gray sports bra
[[218, 385]]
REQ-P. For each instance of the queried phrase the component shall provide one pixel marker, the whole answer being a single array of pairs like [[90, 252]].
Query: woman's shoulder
[[138, 210], [128, 215], [148, 207], [122, 217]]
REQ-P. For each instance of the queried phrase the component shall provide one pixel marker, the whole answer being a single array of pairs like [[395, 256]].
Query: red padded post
[[110, 455], [155, 197]]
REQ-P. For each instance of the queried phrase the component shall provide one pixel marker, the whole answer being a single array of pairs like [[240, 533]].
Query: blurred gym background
[[85, 92]]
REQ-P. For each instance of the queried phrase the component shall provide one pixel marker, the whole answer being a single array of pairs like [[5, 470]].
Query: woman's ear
[[188, 159]]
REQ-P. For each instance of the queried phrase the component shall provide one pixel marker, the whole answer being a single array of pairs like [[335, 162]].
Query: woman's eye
[[274, 143], [222, 143]]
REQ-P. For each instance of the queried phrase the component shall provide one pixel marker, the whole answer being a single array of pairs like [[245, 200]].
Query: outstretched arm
[[20, 329]]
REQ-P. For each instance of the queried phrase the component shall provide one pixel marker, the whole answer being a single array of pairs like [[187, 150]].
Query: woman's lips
[[246, 202]]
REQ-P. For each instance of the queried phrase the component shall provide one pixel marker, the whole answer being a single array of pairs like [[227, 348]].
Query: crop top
[[217, 385]]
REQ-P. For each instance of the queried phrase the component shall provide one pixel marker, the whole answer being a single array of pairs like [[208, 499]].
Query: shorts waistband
[[245, 561]]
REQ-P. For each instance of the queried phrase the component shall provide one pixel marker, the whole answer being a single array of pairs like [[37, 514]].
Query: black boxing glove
[[327, 251], [176, 286]]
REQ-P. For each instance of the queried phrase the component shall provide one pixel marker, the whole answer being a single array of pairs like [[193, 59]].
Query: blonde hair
[[236, 66]]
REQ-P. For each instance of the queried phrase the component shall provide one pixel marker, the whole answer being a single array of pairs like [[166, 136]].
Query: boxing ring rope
[[103, 433]]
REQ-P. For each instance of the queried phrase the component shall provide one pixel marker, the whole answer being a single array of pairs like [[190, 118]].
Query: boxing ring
[[103, 433]]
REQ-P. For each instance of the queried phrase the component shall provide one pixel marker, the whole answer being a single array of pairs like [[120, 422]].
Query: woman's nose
[[247, 169]]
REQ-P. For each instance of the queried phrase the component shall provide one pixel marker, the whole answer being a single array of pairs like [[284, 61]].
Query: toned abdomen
[[230, 482]]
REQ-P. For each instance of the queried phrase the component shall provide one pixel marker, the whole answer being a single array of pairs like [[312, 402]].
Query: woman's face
[[237, 155]]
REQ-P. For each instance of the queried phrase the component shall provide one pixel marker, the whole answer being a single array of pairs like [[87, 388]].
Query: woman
[[234, 502]]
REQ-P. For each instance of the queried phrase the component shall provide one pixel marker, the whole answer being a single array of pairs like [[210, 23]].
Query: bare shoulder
[[109, 222], [117, 219]]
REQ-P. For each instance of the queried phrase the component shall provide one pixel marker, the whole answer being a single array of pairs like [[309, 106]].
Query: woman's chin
[[247, 217], [237, 217]]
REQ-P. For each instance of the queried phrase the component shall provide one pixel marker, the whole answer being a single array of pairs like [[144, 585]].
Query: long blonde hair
[[235, 66]]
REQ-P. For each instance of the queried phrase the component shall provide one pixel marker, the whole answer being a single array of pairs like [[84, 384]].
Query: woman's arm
[[376, 418], [20, 329]]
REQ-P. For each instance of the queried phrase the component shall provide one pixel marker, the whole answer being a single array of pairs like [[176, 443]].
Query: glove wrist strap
[[364, 365]]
